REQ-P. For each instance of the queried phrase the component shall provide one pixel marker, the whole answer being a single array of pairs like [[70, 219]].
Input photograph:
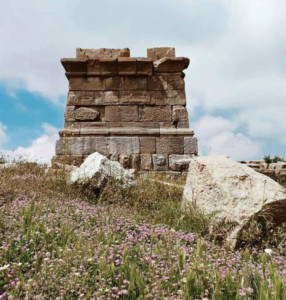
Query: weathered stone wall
[[132, 110]]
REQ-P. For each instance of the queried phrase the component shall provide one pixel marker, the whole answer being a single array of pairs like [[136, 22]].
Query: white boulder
[[237, 192], [100, 168]]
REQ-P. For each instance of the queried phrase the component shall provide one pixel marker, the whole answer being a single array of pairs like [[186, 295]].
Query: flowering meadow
[[59, 241]]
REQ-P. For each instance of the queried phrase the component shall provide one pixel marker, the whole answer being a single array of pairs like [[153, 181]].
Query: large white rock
[[237, 192], [97, 166]]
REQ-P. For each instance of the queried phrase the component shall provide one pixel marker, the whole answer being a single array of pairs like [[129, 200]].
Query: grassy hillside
[[59, 241]]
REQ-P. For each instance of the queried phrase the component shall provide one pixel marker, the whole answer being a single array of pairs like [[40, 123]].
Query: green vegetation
[[61, 241], [275, 159]]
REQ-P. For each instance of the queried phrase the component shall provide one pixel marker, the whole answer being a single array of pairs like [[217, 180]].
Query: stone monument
[[130, 109]]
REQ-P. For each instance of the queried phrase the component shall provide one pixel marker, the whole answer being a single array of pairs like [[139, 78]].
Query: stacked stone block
[[132, 110]]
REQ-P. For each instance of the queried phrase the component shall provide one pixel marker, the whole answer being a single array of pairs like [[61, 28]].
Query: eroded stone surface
[[100, 169], [133, 110], [234, 190], [85, 114], [160, 162]]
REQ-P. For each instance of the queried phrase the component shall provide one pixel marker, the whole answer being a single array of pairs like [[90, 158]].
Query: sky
[[235, 83]]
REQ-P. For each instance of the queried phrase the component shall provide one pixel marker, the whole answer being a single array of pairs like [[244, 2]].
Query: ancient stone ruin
[[132, 110]]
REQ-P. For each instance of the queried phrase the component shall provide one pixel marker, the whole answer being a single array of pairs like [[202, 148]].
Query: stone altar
[[130, 109]]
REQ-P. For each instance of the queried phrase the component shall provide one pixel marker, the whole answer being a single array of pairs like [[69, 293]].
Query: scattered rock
[[236, 191], [97, 166], [7, 165], [280, 165]]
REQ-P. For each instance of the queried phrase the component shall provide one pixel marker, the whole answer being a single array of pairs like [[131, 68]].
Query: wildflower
[[268, 251], [242, 292], [5, 267]]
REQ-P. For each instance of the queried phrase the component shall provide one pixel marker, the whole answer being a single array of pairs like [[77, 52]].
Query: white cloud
[[216, 137], [41, 149], [3, 135], [236, 51]]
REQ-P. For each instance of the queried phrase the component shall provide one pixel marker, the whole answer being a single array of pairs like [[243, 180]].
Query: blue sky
[[235, 82]]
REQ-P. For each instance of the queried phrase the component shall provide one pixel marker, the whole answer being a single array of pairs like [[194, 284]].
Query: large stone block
[[147, 144], [88, 98], [157, 83], [74, 65], [95, 125], [176, 83], [179, 162], [102, 53], [93, 131], [74, 160], [134, 125], [110, 97], [134, 131], [69, 146], [155, 113], [135, 83], [85, 114], [144, 66], [124, 145], [167, 125], [235, 192], [92, 84], [190, 145], [95, 144], [121, 113], [170, 145], [73, 99], [135, 97], [127, 66], [69, 114], [160, 162], [109, 66], [72, 125], [171, 65], [161, 52], [114, 83], [69, 132], [75, 83], [93, 66], [158, 97], [183, 124], [86, 83], [175, 97], [180, 113], [146, 162]]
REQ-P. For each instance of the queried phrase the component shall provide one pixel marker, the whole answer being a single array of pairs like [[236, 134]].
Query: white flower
[[268, 251], [4, 267]]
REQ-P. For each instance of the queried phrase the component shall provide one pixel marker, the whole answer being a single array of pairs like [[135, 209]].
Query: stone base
[[140, 153]]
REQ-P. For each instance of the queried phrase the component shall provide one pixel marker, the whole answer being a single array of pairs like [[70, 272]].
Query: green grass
[[62, 241]]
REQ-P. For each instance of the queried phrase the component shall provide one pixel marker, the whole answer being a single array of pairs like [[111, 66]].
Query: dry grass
[[62, 241]]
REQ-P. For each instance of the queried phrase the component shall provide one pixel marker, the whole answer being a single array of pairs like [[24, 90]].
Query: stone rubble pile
[[276, 171], [130, 109]]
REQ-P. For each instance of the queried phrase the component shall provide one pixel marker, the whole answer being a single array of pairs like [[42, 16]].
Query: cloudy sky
[[235, 83]]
